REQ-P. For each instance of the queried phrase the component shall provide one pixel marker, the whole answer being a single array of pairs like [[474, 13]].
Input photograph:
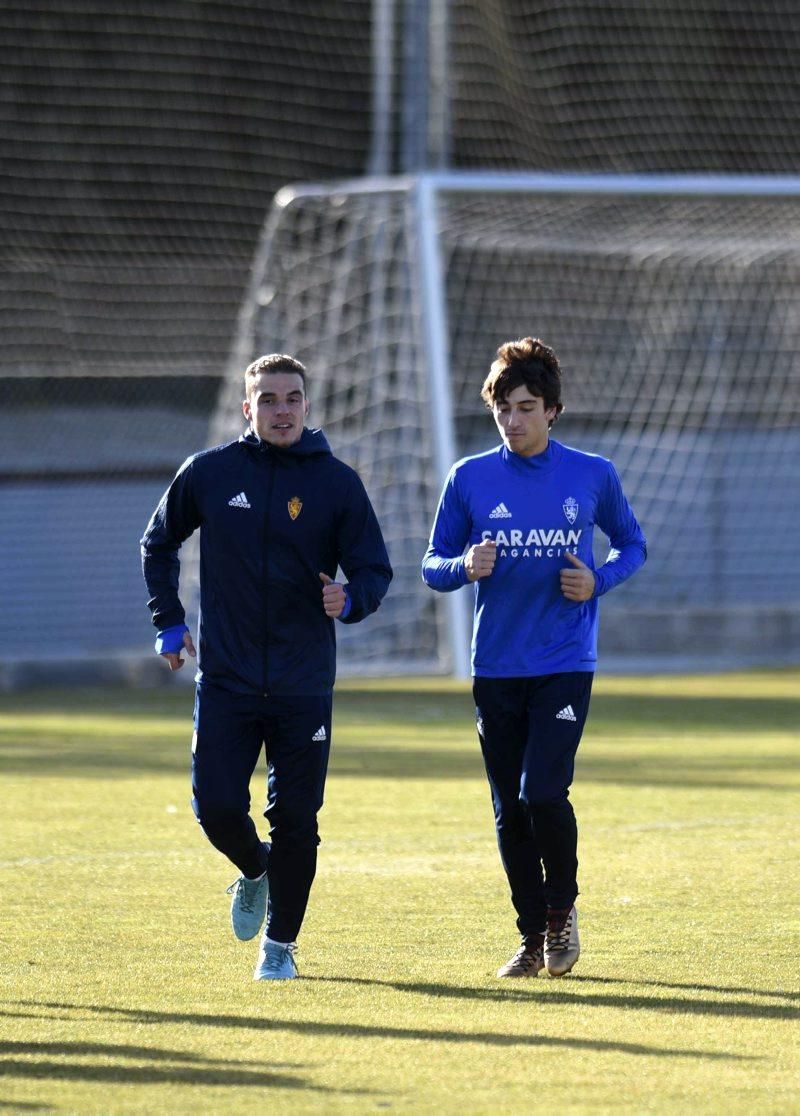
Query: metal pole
[[383, 16], [439, 132], [687, 185], [434, 324], [533, 182], [414, 147]]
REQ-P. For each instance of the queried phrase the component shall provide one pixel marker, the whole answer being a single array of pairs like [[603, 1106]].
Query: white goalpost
[[671, 300]]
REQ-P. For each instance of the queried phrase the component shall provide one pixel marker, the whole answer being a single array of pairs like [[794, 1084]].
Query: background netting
[[141, 148], [339, 290], [142, 145], [678, 331], [625, 85]]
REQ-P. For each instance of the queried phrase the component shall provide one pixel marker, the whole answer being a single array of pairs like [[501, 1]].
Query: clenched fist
[[577, 584], [480, 559], [333, 596]]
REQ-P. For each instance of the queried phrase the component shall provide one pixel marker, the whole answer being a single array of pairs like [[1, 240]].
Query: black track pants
[[295, 732], [529, 730]]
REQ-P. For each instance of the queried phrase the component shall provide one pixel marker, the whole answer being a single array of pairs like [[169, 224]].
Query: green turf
[[124, 991]]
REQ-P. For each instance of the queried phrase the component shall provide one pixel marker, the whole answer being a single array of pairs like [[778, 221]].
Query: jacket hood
[[310, 443]]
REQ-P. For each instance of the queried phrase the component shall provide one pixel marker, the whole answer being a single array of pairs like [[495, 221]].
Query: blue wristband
[[347, 605], [170, 639]]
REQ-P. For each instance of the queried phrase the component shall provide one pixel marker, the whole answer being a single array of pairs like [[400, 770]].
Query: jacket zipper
[[271, 466]]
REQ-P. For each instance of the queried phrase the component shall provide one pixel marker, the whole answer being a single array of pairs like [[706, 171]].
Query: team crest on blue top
[[570, 507], [295, 506]]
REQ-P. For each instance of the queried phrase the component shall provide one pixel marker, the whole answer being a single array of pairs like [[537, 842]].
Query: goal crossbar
[[667, 304]]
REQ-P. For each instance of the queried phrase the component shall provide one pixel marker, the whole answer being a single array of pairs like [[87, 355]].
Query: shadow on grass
[[524, 994], [357, 1030], [727, 713], [417, 733], [182, 1068], [757, 772], [610, 713], [791, 997], [677, 771], [26, 1106]]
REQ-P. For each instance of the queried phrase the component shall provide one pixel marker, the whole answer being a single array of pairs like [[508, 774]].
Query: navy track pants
[[529, 731], [295, 733]]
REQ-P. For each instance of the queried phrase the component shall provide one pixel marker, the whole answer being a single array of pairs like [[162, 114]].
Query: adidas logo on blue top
[[500, 512], [238, 501]]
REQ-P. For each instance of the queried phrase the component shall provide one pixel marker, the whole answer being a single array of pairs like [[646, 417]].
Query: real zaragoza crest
[[570, 507], [295, 506]]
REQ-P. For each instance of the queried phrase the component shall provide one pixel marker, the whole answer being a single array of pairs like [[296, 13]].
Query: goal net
[[673, 309], [634, 86]]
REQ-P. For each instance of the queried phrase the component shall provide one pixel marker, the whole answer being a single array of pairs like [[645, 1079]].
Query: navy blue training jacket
[[271, 520]]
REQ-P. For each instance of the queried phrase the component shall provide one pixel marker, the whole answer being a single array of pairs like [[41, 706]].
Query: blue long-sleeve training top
[[536, 509]]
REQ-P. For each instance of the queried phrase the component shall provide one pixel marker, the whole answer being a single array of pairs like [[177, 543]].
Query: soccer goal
[[672, 303]]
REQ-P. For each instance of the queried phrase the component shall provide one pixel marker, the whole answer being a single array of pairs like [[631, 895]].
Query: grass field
[[123, 989]]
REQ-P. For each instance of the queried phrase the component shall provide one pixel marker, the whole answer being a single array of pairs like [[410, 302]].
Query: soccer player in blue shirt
[[517, 522]]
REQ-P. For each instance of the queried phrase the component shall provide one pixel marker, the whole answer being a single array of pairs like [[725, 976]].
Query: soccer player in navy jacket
[[518, 523], [277, 514]]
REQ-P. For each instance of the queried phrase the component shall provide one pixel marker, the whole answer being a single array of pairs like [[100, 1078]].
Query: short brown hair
[[273, 362], [527, 361]]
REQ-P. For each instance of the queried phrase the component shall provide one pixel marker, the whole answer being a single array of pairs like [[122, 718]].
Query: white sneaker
[[248, 906], [562, 946], [276, 962], [528, 961]]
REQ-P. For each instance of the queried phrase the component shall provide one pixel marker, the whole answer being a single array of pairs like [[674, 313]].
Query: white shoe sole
[[562, 972]]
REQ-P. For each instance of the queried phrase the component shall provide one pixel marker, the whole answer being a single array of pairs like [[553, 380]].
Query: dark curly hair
[[530, 362]]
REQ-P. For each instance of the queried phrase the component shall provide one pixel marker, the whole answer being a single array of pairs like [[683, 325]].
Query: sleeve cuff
[[170, 640], [348, 604]]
